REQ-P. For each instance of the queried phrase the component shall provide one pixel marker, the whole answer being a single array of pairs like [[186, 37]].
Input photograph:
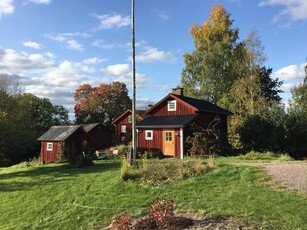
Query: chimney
[[177, 91]]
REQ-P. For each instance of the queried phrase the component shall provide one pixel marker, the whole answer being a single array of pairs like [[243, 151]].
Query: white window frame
[[123, 128], [148, 137], [49, 146], [171, 105]]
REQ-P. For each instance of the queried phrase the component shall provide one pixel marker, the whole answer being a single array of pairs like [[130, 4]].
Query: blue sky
[[53, 46]]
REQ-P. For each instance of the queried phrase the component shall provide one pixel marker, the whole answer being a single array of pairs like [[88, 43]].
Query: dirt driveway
[[291, 176]]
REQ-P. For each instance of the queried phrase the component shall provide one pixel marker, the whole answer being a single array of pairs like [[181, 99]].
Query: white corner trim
[[181, 143]]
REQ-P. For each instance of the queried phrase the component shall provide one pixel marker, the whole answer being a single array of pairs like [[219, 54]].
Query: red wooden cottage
[[123, 125], [53, 140], [100, 137], [166, 126]]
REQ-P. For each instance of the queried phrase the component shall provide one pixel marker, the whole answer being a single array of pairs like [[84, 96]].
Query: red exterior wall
[[123, 121], [100, 137], [181, 109], [74, 142], [50, 156], [156, 144]]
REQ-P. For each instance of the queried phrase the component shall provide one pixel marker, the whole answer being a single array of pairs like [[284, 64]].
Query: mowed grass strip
[[58, 196]]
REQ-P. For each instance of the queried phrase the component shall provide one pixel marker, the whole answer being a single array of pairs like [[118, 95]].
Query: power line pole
[[134, 136]]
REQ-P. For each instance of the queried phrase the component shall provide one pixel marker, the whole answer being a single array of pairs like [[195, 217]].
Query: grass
[[58, 196], [260, 157]]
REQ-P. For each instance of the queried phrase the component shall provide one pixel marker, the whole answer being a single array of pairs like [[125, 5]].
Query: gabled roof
[[177, 121], [138, 116], [59, 133], [202, 105], [197, 104], [88, 127]]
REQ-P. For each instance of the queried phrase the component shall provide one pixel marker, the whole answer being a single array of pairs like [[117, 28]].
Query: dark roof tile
[[202, 106], [59, 133], [166, 121]]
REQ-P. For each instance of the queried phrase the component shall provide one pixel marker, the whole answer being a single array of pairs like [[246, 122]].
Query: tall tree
[[229, 73], [209, 73], [270, 87], [296, 136], [101, 104], [23, 118]]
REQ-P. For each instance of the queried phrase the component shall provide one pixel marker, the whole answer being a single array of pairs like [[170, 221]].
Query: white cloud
[[102, 44], [32, 44], [49, 54], [6, 7], [164, 16], [65, 38], [58, 83], [122, 73], [293, 10], [40, 1], [292, 75], [143, 103], [93, 61], [153, 55], [291, 72], [116, 21], [74, 45], [116, 70], [13, 61]]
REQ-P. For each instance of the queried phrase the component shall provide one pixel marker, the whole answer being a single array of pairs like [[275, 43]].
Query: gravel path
[[291, 176]]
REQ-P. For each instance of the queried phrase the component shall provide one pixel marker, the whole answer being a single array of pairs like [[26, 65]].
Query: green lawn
[[58, 196]]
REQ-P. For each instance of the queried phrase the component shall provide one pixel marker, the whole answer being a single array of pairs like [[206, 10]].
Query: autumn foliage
[[101, 104]]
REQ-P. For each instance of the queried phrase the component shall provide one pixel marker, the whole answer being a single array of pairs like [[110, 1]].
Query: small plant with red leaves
[[161, 210], [122, 222]]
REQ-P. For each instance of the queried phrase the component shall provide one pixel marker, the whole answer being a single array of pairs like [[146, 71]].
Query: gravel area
[[291, 176]]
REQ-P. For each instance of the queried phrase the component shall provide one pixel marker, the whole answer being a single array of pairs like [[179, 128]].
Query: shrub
[[156, 172], [266, 156], [81, 161], [122, 222], [152, 154], [31, 163], [124, 168], [61, 157], [190, 168], [161, 210], [206, 140]]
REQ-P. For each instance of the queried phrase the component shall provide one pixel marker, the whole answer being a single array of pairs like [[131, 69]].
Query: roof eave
[[159, 126]]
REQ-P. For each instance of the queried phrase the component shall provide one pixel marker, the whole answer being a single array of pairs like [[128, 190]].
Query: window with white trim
[[130, 118], [171, 105], [148, 134], [49, 146], [123, 129]]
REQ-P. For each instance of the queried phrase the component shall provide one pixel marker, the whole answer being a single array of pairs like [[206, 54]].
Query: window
[[130, 118], [49, 146], [123, 129], [123, 138], [148, 134], [171, 105], [168, 136]]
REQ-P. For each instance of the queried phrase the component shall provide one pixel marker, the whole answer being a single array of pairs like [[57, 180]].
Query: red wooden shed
[[53, 140], [99, 135]]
